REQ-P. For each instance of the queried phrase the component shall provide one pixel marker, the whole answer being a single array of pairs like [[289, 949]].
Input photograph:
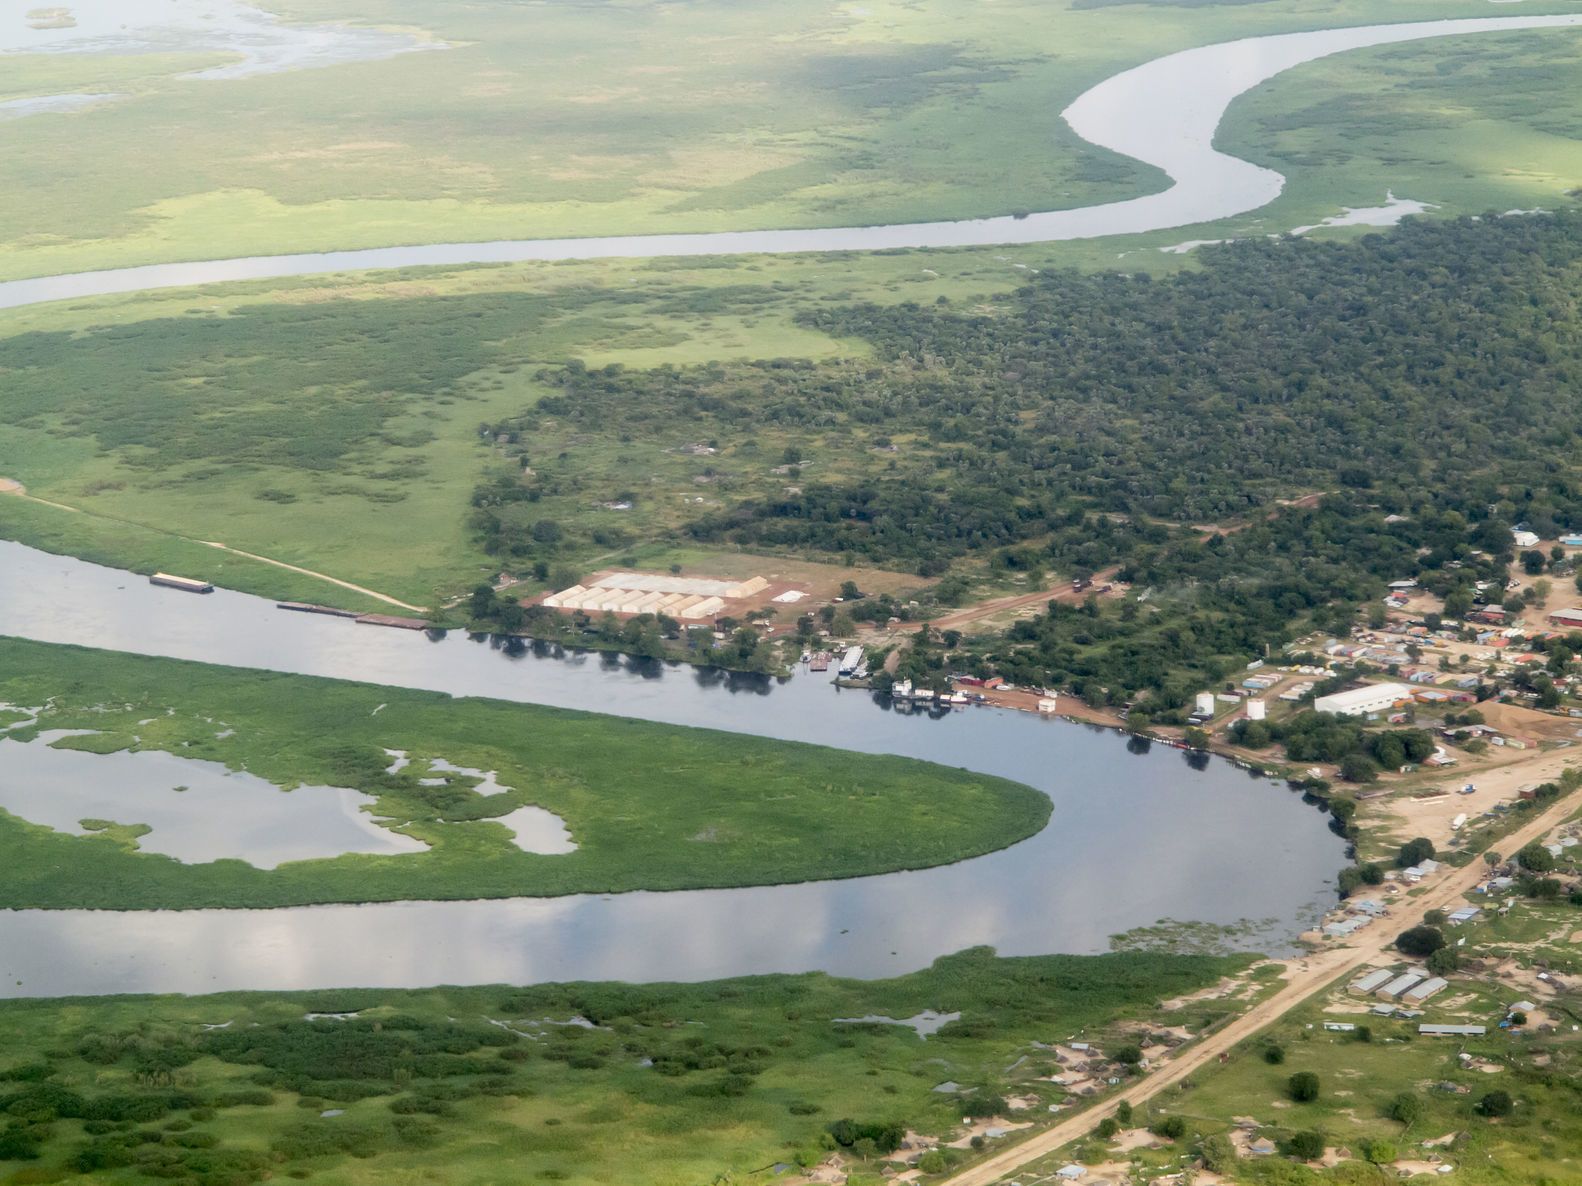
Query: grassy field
[[649, 806], [676, 1084], [1469, 125], [573, 120]]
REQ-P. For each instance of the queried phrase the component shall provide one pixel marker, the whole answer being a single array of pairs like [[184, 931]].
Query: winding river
[[1164, 113], [1135, 837]]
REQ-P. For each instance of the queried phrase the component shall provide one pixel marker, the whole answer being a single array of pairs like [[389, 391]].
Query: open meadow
[[557, 120]]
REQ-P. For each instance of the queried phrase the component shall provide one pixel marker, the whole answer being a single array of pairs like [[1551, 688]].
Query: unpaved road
[[308, 572], [1306, 976], [1000, 605], [12, 486]]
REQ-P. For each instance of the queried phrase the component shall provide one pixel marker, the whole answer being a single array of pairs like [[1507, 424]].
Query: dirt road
[[1001, 605], [1306, 976], [308, 572]]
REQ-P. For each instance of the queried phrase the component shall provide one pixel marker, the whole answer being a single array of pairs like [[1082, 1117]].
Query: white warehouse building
[[1359, 702]]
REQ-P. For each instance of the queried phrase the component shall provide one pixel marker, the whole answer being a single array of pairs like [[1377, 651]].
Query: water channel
[[1164, 113], [1135, 837]]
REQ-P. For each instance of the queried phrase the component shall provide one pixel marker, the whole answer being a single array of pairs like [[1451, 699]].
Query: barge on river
[[185, 584]]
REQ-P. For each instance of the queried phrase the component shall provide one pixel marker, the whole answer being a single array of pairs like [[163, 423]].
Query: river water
[[1164, 113], [1135, 837]]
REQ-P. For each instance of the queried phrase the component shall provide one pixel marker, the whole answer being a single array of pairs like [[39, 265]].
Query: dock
[[392, 620], [306, 607]]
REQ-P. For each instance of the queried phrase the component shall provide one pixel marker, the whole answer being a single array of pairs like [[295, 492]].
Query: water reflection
[[1133, 839]]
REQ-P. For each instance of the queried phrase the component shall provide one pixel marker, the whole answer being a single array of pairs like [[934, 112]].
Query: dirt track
[[1306, 976], [1000, 605]]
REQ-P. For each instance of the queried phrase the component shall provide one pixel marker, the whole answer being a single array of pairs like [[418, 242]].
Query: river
[[1164, 113], [1135, 837]]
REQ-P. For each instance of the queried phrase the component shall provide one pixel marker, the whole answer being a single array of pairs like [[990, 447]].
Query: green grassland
[[1490, 122], [678, 1084], [649, 806], [566, 120]]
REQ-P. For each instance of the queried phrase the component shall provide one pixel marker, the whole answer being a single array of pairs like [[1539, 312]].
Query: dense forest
[[1426, 383]]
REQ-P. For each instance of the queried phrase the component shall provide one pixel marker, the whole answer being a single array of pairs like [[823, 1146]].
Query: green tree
[[1496, 1103], [1415, 852], [1274, 1055], [1444, 961], [1535, 858], [1303, 1087], [1171, 1128], [1405, 1108], [1218, 1154], [1420, 942], [1306, 1146]]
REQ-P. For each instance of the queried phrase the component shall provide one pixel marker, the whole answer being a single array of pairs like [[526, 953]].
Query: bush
[[1274, 1055], [1379, 1152], [1130, 1054], [1303, 1087], [1420, 941], [1496, 1103], [1535, 858], [1405, 1108], [1107, 1128], [1171, 1128], [932, 1162], [1307, 1146], [1415, 852]]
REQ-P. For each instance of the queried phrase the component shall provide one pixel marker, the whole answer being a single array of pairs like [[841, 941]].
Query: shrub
[[1496, 1103], [1415, 852], [1535, 858], [1108, 1127], [1406, 1108], [1307, 1146], [1379, 1152], [1420, 941], [1274, 1055], [1303, 1087], [1171, 1128]]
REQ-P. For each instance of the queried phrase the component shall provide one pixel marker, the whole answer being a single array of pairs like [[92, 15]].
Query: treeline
[[1325, 737], [1428, 382]]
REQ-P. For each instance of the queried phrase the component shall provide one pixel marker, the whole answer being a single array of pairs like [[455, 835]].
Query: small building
[[1396, 987], [1566, 619], [1070, 1173], [1419, 993], [1452, 1031], [1358, 702], [1524, 539], [1340, 1027], [1571, 541], [1373, 981]]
